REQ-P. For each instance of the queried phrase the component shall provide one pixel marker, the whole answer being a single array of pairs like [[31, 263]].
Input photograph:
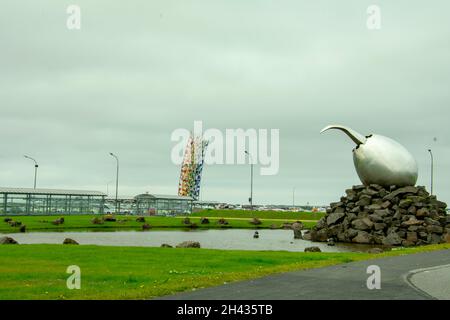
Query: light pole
[[251, 180], [117, 178], [293, 198], [35, 169], [432, 169]]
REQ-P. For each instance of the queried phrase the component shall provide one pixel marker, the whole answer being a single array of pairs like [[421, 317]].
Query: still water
[[237, 239]]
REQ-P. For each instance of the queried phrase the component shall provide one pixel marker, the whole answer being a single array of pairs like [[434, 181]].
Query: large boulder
[[447, 237], [58, 221], [313, 249], [69, 241], [146, 226], [335, 218], [307, 235], [392, 239], [362, 224], [319, 235], [8, 240], [109, 218], [297, 228], [255, 221], [222, 222], [97, 220], [395, 193], [15, 223], [189, 244], [362, 237]]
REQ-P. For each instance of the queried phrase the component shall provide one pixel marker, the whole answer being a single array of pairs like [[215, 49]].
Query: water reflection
[[230, 239]]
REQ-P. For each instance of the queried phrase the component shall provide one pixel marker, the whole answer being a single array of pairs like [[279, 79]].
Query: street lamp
[[35, 169], [117, 178], [251, 180], [293, 198], [432, 169]]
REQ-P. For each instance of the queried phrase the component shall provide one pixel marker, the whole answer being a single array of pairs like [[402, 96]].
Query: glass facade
[[147, 204], [26, 201], [14, 202]]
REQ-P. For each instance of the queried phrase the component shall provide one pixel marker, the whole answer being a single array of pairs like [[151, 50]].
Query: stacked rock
[[406, 216]]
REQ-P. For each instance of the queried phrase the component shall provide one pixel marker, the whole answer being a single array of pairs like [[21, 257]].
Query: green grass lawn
[[83, 222], [39, 271], [259, 214]]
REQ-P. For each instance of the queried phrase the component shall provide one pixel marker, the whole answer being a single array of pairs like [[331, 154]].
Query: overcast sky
[[137, 70]]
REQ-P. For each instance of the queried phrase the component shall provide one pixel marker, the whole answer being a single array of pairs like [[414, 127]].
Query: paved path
[[435, 281], [345, 281]]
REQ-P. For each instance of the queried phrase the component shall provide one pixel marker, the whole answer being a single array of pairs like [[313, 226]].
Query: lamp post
[[35, 168], [251, 180], [293, 198], [117, 178], [432, 169]]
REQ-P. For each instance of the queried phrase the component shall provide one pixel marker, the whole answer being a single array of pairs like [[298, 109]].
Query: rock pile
[[146, 226], [297, 227], [70, 241], [255, 221], [204, 220], [406, 216], [58, 221], [189, 244], [7, 240]]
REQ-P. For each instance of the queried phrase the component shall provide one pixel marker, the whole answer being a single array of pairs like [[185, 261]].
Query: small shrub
[[15, 223], [146, 226], [255, 221], [109, 218], [97, 220], [222, 221]]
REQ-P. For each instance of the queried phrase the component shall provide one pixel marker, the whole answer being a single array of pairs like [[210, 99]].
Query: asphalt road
[[403, 277], [435, 281]]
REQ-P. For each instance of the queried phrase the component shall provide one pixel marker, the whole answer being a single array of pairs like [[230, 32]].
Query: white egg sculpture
[[381, 160]]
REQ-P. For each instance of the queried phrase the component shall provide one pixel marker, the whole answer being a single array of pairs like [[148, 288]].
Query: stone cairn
[[407, 216]]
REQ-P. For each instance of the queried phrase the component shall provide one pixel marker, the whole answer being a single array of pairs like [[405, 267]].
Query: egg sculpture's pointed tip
[[326, 128], [352, 134]]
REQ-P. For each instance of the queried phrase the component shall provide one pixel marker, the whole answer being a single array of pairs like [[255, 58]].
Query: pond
[[232, 239]]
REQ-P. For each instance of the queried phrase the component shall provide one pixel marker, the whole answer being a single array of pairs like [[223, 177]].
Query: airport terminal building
[[24, 201], [29, 201], [151, 204]]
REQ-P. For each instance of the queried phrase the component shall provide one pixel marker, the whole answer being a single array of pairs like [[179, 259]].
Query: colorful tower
[[192, 167]]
